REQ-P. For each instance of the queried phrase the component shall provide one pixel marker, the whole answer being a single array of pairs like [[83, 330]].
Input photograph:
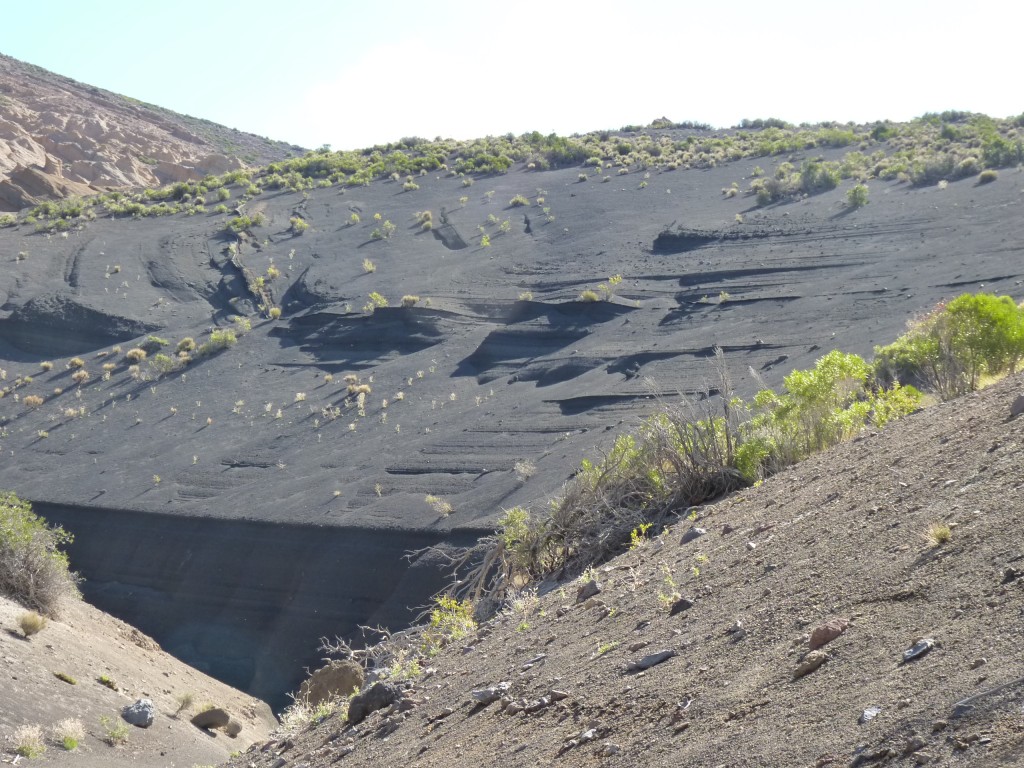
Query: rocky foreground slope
[[818, 626], [59, 137]]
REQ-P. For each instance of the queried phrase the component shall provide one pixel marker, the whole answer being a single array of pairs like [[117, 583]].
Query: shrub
[[952, 348], [185, 702], [450, 620], [376, 302], [31, 623], [220, 339], [65, 677], [76, 362], [857, 196], [33, 569], [939, 534], [135, 355], [353, 219], [28, 741], [369, 266], [410, 301], [116, 730], [275, 313], [163, 364], [188, 344], [8, 220], [517, 201], [298, 225], [46, 365], [32, 401], [589, 295], [107, 682], [80, 376], [68, 733], [988, 176]]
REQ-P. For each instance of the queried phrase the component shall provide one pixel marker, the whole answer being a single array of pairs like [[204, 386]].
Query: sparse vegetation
[[28, 741], [185, 702], [987, 176], [31, 623], [939, 534], [65, 677], [857, 196], [115, 730], [33, 569], [69, 733]]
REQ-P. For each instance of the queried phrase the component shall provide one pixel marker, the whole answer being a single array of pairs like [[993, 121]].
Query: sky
[[354, 74]]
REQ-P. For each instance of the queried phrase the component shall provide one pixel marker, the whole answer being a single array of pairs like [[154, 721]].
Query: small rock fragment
[[610, 750], [810, 662], [918, 649], [680, 605], [650, 660], [727, 529], [914, 744], [588, 590], [751, 546], [489, 695], [869, 714], [691, 534], [377, 697], [979, 662], [827, 632], [634, 647]]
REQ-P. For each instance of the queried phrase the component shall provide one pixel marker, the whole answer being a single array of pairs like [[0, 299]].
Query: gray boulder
[[140, 714]]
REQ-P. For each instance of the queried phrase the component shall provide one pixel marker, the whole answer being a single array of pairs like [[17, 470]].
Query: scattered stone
[[216, 717], [233, 728], [827, 632], [922, 757], [650, 660], [556, 695], [736, 628], [691, 534], [680, 605], [810, 662], [593, 602], [588, 590], [918, 649], [634, 647], [379, 696], [869, 714], [538, 705], [1010, 575], [751, 546], [534, 661], [610, 750], [914, 744], [727, 529], [140, 714], [446, 712], [336, 679], [939, 725], [1018, 407], [979, 662], [486, 696]]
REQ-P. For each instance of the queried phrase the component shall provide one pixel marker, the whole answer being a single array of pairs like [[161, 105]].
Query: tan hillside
[[835, 550], [59, 137]]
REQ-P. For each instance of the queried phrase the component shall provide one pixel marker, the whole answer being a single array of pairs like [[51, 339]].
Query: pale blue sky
[[352, 74]]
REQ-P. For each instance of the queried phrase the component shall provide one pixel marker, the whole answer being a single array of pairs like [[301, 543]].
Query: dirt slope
[[86, 644], [59, 137], [841, 536]]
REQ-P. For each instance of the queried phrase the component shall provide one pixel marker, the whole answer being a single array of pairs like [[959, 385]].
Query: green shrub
[[220, 339], [589, 295], [857, 196], [450, 620], [987, 176], [8, 220], [33, 569], [517, 201], [298, 225], [952, 348], [31, 623], [28, 741]]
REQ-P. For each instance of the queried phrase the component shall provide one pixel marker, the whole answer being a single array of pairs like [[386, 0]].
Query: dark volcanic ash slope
[[476, 380]]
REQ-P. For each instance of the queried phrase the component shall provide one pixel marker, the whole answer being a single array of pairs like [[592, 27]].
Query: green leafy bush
[[857, 196], [33, 569], [956, 345]]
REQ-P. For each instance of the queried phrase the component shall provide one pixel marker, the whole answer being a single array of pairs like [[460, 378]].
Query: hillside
[[109, 665], [59, 137], [264, 500], [832, 549]]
